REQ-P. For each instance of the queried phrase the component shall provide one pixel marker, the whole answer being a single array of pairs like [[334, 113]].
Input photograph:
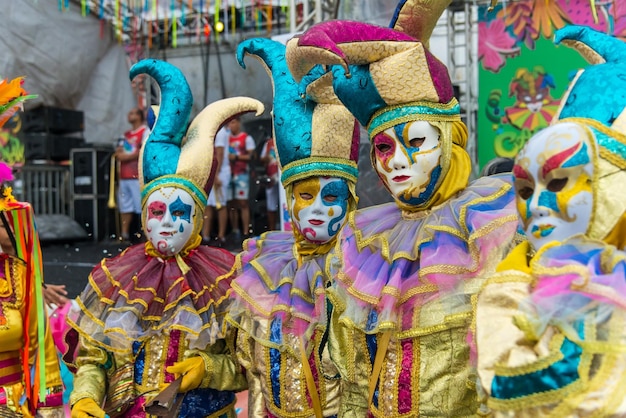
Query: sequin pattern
[[204, 402], [275, 360], [404, 380]]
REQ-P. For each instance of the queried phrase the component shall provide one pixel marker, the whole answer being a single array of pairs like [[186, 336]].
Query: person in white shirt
[[219, 194]]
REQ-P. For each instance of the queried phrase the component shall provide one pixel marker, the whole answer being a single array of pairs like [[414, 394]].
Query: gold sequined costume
[[162, 302], [405, 273], [550, 325]]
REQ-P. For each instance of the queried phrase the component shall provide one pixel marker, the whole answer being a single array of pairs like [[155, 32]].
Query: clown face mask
[[169, 219], [553, 183], [319, 207], [407, 158]]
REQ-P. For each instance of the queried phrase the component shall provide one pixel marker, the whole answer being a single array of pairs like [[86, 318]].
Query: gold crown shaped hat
[[386, 77]]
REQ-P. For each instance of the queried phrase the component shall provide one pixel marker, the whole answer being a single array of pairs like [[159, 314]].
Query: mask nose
[[398, 161], [317, 206], [167, 219], [537, 209]]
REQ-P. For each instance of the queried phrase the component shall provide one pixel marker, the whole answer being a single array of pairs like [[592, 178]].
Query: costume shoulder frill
[[571, 361], [271, 288], [134, 296], [414, 274]]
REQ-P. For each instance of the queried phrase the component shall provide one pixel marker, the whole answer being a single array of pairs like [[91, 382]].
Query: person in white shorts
[[240, 152], [268, 158], [219, 193]]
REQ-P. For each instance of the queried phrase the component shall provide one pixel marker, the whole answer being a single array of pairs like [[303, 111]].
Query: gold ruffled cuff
[[89, 382], [208, 370]]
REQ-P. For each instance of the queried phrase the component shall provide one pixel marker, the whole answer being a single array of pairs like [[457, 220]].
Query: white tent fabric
[[67, 64]]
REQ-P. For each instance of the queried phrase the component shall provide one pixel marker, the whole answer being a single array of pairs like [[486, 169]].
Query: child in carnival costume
[[280, 277], [409, 270], [160, 302], [550, 323], [30, 379]]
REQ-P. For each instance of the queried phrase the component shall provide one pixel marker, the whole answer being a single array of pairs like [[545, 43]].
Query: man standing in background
[[268, 158], [219, 192], [240, 151], [127, 153]]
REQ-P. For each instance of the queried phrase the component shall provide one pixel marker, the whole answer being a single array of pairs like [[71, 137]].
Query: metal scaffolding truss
[[314, 11], [461, 32]]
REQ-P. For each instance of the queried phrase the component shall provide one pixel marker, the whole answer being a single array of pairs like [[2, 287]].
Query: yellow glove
[[87, 408], [193, 370]]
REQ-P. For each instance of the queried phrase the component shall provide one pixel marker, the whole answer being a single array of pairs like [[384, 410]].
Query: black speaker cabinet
[[44, 146], [53, 120], [92, 214], [90, 171]]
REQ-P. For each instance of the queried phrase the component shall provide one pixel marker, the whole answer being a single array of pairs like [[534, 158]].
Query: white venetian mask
[[408, 160], [553, 183], [169, 219], [319, 206]]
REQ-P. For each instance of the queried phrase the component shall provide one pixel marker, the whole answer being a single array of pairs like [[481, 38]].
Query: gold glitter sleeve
[[222, 370], [90, 378], [245, 355], [353, 365]]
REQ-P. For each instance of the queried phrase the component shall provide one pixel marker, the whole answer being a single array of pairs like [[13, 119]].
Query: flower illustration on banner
[[529, 19], [517, 16], [578, 13], [495, 44], [618, 11]]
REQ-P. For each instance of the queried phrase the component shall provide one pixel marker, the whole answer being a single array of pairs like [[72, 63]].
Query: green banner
[[522, 75]]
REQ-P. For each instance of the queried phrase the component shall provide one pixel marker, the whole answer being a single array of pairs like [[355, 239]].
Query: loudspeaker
[[90, 171], [91, 214], [44, 146], [53, 120]]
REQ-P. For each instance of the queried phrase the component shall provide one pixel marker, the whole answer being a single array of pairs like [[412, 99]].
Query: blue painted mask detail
[[340, 189], [179, 206]]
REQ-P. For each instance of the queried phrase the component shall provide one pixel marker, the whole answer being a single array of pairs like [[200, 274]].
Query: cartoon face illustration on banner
[[408, 160], [169, 219], [319, 207], [553, 183]]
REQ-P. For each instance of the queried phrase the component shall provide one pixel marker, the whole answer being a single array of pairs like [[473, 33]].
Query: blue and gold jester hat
[[314, 136], [387, 77], [174, 156], [597, 98]]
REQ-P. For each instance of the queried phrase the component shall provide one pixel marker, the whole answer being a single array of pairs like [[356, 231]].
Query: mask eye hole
[[330, 198], [383, 147], [525, 192], [306, 196], [556, 185], [157, 212], [417, 142]]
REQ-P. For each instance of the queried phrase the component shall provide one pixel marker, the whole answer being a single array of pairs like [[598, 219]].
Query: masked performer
[[30, 380], [550, 324], [143, 310], [408, 270], [281, 276]]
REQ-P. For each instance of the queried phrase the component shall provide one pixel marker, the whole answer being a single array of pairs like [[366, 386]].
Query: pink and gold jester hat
[[386, 77]]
